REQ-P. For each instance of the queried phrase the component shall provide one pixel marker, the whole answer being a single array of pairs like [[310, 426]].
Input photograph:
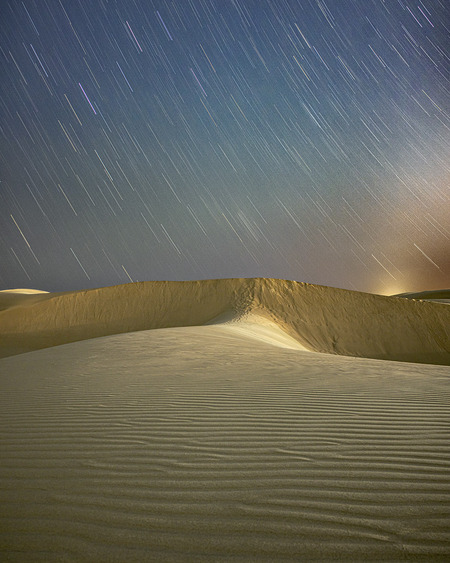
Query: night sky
[[194, 139]]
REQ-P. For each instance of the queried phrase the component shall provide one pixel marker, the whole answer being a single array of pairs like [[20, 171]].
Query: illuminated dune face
[[23, 291], [322, 319]]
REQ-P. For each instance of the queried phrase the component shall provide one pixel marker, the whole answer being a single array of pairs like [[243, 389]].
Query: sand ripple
[[200, 444]]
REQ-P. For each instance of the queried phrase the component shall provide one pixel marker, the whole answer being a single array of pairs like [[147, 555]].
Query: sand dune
[[224, 442], [322, 319], [14, 297], [23, 291], [224, 433], [437, 295]]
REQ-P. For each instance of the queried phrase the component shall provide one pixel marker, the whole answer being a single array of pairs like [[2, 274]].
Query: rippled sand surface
[[226, 442]]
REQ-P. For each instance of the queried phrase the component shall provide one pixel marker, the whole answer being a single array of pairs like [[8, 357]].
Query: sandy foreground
[[226, 440]]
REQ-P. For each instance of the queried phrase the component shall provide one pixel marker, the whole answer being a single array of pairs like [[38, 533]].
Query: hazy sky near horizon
[[191, 139]]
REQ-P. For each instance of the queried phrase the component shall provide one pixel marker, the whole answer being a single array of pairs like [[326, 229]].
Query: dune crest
[[322, 319]]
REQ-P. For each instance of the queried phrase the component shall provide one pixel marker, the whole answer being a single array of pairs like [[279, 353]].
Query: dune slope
[[209, 443], [323, 319]]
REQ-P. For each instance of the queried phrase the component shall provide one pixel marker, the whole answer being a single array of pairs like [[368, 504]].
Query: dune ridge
[[323, 319]]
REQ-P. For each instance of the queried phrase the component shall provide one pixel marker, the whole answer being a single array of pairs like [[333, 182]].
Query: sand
[[436, 296], [323, 319], [225, 441]]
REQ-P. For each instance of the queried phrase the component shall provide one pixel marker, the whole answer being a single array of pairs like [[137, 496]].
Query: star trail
[[192, 139]]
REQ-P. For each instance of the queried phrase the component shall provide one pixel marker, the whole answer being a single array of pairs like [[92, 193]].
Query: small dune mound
[[23, 291], [437, 295]]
